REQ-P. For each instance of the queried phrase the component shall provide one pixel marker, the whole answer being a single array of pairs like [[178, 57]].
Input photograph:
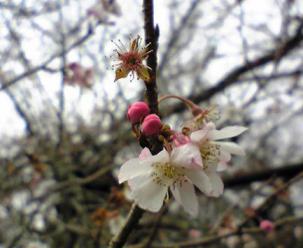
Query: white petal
[[222, 166], [161, 157], [199, 136], [200, 179], [216, 183], [149, 195], [176, 193], [133, 168], [227, 132], [187, 156], [231, 147], [138, 181], [224, 155], [184, 193], [224, 158]]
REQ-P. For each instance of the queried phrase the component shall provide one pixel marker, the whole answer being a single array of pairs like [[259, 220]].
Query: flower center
[[210, 154], [165, 173], [131, 60]]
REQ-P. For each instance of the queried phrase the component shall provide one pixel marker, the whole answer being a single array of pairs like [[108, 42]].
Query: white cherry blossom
[[151, 176], [216, 154]]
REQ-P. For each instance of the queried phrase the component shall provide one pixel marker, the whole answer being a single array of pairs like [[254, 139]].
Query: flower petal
[[200, 179], [227, 132], [184, 193], [187, 156], [199, 136], [121, 73], [143, 73], [149, 195], [222, 166], [161, 157], [133, 168], [216, 183], [145, 153], [134, 44], [231, 147], [138, 181], [136, 166], [224, 155], [224, 158]]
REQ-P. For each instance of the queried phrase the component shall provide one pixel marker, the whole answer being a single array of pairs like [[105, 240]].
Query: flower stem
[[195, 109]]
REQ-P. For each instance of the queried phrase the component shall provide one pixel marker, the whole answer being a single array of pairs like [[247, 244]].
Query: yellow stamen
[[165, 172]]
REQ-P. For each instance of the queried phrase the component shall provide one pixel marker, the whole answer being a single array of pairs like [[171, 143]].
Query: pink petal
[[187, 156], [145, 153]]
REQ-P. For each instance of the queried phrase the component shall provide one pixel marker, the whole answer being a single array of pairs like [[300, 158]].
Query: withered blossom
[[130, 60]]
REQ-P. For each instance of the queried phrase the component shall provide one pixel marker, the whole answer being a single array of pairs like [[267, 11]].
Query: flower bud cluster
[[139, 114]]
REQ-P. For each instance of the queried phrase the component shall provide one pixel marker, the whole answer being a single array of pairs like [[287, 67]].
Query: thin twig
[[217, 238], [155, 227], [61, 93], [43, 65], [133, 218], [65, 185], [259, 210]]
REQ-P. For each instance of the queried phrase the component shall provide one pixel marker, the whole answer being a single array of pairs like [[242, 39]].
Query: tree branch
[[151, 37], [286, 172], [43, 65], [133, 217], [233, 77]]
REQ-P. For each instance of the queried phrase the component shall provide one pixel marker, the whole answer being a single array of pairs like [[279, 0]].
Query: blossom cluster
[[190, 158], [76, 74], [102, 9]]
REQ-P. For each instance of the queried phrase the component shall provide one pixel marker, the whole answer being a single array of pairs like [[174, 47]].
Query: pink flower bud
[[266, 225], [194, 233], [180, 139], [137, 111], [151, 125]]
